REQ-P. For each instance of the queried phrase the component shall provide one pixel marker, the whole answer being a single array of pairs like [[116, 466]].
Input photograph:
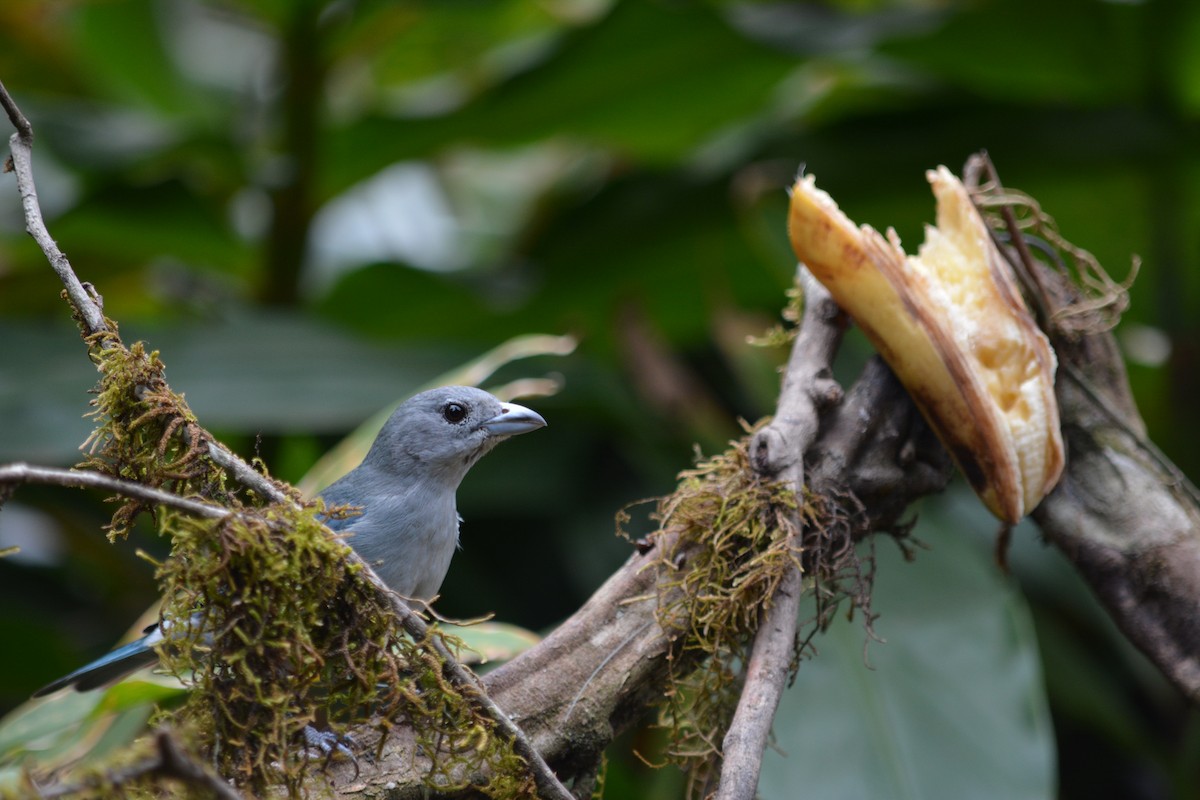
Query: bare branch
[[21, 146], [246, 475], [19, 473], [885, 460], [1124, 514], [778, 450], [18, 120]]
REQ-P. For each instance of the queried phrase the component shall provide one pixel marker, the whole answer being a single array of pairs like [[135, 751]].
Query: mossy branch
[[778, 452], [271, 616]]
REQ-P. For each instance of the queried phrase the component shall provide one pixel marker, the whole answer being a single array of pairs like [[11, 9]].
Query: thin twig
[[19, 473], [21, 145], [24, 129], [83, 298], [778, 450], [246, 475]]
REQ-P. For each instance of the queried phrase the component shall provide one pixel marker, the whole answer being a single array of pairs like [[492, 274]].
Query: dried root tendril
[[1102, 299]]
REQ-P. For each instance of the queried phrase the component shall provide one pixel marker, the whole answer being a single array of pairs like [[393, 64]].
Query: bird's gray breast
[[408, 534]]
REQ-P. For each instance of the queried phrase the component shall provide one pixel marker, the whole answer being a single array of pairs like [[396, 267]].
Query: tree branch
[[465, 681], [87, 307], [19, 473], [778, 451], [245, 474], [1123, 514], [598, 672]]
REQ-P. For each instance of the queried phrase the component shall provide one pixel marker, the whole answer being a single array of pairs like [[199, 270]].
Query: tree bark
[[1126, 517]]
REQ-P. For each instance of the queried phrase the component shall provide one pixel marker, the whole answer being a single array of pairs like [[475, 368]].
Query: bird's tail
[[111, 666]]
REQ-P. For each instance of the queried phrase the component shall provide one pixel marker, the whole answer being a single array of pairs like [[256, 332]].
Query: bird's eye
[[454, 412]]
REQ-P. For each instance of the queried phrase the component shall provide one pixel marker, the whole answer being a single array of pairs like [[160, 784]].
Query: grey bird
[[408, 525]]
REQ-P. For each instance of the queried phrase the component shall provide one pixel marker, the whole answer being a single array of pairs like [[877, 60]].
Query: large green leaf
[[651, 79], [951, 706], [124, 57], [68, 728], [1077, 51], [468, 41]]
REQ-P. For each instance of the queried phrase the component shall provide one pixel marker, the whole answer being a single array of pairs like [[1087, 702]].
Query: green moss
[[738, 535], [145, 432], [784, 333]]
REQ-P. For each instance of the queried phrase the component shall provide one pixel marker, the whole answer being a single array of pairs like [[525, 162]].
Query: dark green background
[[613, 170]]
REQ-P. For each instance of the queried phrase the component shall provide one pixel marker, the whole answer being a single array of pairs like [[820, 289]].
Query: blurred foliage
[[313, 207]]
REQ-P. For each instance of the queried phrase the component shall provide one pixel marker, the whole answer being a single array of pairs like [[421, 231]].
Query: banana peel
[[951, 323]]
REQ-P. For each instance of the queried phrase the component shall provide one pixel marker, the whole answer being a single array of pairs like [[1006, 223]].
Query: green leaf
[[490, 642], [125, 57], [145, 689], [69, 727], [1068, 51], [652, 80], [469, 39], [951, 706], [366, 299]]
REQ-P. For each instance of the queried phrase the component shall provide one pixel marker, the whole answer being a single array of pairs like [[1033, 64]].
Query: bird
[[405, 489]]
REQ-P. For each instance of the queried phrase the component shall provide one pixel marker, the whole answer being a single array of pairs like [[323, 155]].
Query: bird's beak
[[513, 419]]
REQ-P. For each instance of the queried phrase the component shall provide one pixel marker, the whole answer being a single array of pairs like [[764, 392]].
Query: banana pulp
[[952, 325]]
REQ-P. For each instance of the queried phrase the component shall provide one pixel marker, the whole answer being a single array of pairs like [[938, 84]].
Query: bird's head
[[443, 432]]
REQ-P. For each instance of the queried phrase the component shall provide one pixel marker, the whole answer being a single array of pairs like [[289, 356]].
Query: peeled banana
[[951, 323]]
